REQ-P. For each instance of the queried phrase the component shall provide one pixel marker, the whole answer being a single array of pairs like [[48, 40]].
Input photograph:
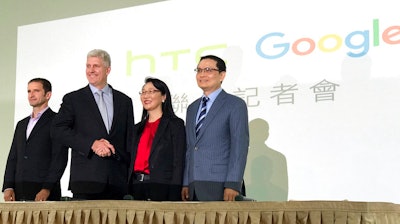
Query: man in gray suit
[[217, 135]]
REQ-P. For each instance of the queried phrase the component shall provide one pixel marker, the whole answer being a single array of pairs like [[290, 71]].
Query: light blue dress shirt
[[108, 99]]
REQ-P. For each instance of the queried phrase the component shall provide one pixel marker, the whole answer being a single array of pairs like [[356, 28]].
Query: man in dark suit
[[96, 122], [217, 138], [35, 162]]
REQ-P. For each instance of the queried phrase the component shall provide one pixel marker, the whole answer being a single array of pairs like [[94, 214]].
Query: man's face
[[209, 81], [97, 72], [36, 95]]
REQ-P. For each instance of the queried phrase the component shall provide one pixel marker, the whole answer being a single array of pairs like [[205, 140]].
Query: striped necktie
[[202, 114]]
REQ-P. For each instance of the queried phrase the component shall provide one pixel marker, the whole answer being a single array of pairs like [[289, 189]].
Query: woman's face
[[151, 97]]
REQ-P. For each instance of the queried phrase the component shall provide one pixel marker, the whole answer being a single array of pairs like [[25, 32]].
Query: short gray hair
[[101, 54]]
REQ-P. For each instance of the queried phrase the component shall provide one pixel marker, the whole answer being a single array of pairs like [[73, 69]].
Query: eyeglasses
[[206, 70], [149, 92]]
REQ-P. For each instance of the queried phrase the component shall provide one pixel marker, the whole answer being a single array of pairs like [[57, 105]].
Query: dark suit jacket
[[216, 158], [78, 124], [37, 162], [167, 152]]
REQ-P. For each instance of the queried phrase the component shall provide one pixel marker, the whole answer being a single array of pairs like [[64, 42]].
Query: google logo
[[273, 45]]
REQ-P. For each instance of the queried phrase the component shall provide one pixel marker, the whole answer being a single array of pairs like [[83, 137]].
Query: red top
[[144, 147]]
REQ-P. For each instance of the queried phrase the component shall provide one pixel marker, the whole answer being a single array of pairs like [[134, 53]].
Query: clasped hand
[[103, 148]]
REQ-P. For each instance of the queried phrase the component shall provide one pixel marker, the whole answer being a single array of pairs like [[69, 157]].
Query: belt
[[141, 177]]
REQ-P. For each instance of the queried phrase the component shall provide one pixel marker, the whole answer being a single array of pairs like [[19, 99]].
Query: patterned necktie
[[103, 109], [202, 114]]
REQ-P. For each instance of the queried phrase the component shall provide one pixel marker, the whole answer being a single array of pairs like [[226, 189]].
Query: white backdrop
[[321, 82]]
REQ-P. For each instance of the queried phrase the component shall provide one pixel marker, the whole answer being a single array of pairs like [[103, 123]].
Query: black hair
[[45, 83], [167, 104], [220, 63]]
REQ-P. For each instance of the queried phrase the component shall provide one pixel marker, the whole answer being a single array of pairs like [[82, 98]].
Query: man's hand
[[185, 193], [230, 194], [103, 148], [42, 195], [9, 195]]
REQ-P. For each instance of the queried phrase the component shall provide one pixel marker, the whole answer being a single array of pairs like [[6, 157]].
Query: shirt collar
[[212, 96], [106, 89], [39, 114]]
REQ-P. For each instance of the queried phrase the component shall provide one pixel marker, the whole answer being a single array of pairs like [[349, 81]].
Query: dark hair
[[220, 63], [45, 83], [167, 105]]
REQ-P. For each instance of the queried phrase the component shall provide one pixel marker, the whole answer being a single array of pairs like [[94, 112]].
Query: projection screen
[[321, 82]]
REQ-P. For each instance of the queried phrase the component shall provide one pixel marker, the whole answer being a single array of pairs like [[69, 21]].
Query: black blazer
[[78, 124], [168, 150], [37, 162]]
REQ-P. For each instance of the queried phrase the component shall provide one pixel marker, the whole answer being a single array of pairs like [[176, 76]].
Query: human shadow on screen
[[266, 173], [233, 56]]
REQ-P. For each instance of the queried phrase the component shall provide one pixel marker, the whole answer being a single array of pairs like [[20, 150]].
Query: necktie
[[202, 114], [103, 109]]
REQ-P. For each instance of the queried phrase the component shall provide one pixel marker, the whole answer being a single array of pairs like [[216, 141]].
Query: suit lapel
[[159, 133], [24, 127], [116, 106], [194, 116], [42, 121], [91, 102], [211, 114]]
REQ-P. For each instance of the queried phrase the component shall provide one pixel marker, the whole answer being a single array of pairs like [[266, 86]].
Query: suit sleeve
[[179, 149], [188, 128], [59, 160], [63, 129], [239, 132], [130, 126], [9, 175]]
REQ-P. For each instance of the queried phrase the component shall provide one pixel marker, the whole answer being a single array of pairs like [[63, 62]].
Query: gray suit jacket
[[216, 159]]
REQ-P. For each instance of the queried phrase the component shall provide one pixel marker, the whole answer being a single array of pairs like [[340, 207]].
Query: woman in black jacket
[[159, 146]]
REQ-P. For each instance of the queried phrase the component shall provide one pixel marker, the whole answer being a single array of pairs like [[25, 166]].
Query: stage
[[246, 212]]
